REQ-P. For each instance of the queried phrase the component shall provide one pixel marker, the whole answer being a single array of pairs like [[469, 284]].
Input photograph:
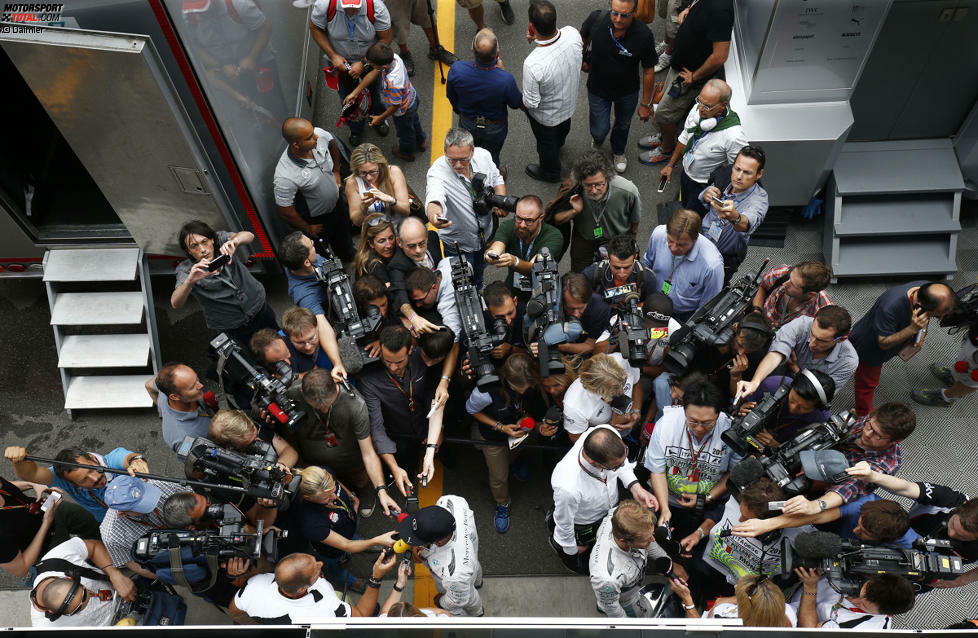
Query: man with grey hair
[[450, 194], [481, 92], [718, 127]]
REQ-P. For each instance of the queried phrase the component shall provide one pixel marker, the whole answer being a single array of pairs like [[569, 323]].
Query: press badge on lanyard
[[621, 47], [714, 231]]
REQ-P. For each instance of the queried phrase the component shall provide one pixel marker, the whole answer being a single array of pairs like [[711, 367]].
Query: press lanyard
[[694, 474], [603, 479], [409, 394], [526, 253], [351, 30], [621, 47], [11, 507]]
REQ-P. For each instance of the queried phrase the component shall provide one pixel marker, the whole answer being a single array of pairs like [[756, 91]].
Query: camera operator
[[601, 205], [807, 403], [876, 439], [624, 543], [585, 484], [268, 348], [880, 598], [85, 487], [579, 300], [233, 301], [450, 196], [502, 304], [620, 272], [818, 343], [519, 240], [940, 512], [235, 429], [688, 269], [433, 292], [688, 459], [399, 394], [604, 380], [336, 434], [788, 292], [184, 410]]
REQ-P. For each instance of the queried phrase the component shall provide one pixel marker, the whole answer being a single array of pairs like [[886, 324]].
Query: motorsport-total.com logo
[[30, 16]]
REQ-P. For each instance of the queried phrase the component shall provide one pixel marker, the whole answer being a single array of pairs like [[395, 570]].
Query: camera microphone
[[747, 472]]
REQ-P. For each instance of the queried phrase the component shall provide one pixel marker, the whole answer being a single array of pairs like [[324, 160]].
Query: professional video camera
[[545, 323], [965, 312], [258, 473], [353, 332], [713, 324], [480, 340], [633, 336], [230, 540], [848, 564], [485, 199], [783, 463], [740, 436], [270, 393]]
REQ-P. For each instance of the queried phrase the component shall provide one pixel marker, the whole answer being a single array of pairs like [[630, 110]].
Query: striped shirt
[[396, 87], [551, 75], [887, 461], [776, 304]]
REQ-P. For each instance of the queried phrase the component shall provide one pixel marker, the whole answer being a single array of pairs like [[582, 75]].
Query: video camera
[[965, 311], [353, 332], [783, 463], [270, 393], [740, 436], [257, 472], [480, 340], [229, 541], [713, 324], [848, 564], [545, 323], [633, 336], [485, 199]]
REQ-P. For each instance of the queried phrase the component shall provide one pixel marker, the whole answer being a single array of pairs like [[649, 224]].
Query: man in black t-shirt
[[615, 44]]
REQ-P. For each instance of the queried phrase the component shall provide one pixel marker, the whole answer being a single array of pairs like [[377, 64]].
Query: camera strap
[[176, 567]]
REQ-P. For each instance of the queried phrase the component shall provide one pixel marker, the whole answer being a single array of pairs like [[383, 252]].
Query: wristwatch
[[822, 504]]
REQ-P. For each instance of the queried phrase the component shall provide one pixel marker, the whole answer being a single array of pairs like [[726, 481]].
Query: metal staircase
[[104, 325]]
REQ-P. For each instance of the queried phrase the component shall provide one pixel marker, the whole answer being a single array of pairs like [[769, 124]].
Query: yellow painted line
[[441, 108], [424, 584]]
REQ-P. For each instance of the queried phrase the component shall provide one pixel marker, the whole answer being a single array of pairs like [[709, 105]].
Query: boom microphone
[[818, 545]]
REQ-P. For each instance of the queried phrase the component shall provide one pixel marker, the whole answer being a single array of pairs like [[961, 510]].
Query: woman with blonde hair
[[374, 186], [603, 379], [758, 602], [376, 248]]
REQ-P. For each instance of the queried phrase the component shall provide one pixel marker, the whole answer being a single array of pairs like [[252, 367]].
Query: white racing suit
[[617, 576], [455, 565]]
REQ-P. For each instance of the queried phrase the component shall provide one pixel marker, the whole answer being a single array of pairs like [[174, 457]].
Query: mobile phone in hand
[[218, 262], [49, 502], [717, 200], [492, 255], [775, 506], [441, 219], [662, 184]]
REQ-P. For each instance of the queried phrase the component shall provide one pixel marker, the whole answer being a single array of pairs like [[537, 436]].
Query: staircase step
[[104, 351], [888, 215], [914, 257], [95, 264], [97, 308], [906, 166], [111, 391]]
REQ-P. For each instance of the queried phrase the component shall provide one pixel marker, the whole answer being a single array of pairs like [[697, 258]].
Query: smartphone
[[775, 506], [441, 219], [492, 255], [49, 502], [717, 200], [662, 184], [218, 262]]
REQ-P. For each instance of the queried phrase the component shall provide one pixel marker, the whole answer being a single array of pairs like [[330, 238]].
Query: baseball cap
[[131, 494], [825, 465], [351, 4], [427, 525]]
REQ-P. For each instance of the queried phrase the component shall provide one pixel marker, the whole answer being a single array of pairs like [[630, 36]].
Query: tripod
[[434, 30]]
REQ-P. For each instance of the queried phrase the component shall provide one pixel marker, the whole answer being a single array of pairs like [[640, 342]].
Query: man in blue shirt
[[480, 92], [182, 406], [688, 268]]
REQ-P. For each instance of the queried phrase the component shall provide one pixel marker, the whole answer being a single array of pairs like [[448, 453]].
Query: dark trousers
[[599, 119], [336, 227], [689, 195], [550, 139], [490, 137], [582, 252], [410, 132], [579, 563], [731, 264]]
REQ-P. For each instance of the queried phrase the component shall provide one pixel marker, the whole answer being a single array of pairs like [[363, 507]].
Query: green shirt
[[548, 237], [621, 209]]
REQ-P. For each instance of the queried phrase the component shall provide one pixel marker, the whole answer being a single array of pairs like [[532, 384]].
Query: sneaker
[[926, 397], [655, 156], [944, 374], [408, 62], [443, 55], [620, 162], [506, 12], [661, 47], [664, 61], [368, 502], [520, 470], [501, 520], [650, 141], [383, 128]]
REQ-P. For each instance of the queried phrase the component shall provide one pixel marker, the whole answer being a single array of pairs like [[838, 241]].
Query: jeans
[[410, 133], [476, 260], [550, 139], [662, 387], [600, 119], [489, 137], [346, 86]]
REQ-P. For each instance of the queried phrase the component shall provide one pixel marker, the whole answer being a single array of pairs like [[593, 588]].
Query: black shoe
[[408, 62], [442, 54], [506, 11], [383, 128], [533, 170], [355, 139]]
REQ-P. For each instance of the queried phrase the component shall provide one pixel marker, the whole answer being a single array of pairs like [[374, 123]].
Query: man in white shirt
[[443, 536], [879, 598], [450, 194], [585, 484], [551, 75]]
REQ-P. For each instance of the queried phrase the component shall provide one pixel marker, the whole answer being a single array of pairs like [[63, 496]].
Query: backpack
[[157, 605], [331, 11]]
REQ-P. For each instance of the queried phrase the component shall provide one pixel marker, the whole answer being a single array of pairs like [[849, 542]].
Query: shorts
[[673, 9], [469, 4], [404, 13], [673, 110]]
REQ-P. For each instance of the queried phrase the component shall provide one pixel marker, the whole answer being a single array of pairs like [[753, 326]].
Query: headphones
[[710, 123], [761, 326], [808, 374], [76, 587]]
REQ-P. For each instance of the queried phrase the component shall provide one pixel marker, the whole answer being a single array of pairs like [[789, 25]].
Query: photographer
[[579, 300], [235, 429], [788, 292], [807, 403], [450, 195], [742, 355], [497, 415], [881, 596], [689, 460], [183, 409], [818, 343], [519, 240], [603, 379], [620, 272]]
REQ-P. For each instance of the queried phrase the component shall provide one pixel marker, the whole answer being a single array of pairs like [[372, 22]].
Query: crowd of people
[[639, 453]]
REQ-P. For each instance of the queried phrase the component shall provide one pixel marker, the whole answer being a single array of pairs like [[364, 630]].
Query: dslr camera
[[486, 199]]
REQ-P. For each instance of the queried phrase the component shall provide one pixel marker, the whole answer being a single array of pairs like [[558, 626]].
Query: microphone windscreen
[[818, 545], [210, 399], [662, 565], [668, 545], [747, 472], [350, 354]]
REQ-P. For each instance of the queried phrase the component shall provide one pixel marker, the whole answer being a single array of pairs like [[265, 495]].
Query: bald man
[[307, 185], [412, 252]]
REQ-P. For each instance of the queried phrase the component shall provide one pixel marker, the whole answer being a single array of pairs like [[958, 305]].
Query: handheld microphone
[[210, 400], [664, 539], [662, 565]]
